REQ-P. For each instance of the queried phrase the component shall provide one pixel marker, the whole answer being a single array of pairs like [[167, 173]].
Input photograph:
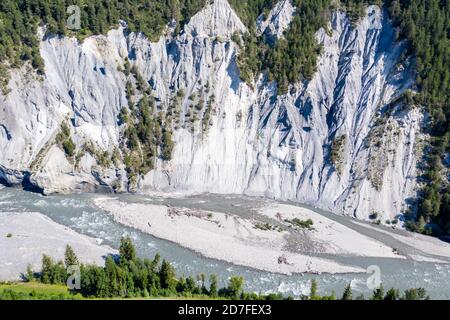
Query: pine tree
[[347, 293], [203, 287], [70, 258], [416, 294], [47, 269], [190, 284], [213, 286], [155, 263], [111, 271], [30, 273], [392, 294], [167, 145], [378, 294], [181, 285], [127, 250], [167, 276], [313, 293]]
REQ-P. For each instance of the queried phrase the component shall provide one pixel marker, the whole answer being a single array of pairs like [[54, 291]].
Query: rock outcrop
[[278, 20], [339, 141]]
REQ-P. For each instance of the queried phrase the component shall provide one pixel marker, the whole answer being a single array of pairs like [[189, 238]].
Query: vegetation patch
[[103, 157], [129, 276], [64, 140], [34, 290], [4, 80], [303, 224], [267, 227], [294, 57], [146, 128], [337, 152]]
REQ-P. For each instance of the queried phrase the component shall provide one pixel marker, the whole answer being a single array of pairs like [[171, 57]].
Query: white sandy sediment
[[220, 236], [32, 235], [333, 237]]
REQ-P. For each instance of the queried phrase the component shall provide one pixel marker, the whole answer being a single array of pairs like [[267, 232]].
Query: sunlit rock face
[[339, 141], [278, 20]]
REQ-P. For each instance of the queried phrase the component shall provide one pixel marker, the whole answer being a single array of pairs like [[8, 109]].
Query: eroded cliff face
[[339, 141]]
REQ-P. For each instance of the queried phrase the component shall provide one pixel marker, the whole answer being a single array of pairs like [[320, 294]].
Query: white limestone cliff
[[258, 143], [278, 20]]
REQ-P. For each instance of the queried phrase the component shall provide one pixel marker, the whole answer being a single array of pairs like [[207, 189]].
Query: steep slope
[[277, 22], [339, 142]]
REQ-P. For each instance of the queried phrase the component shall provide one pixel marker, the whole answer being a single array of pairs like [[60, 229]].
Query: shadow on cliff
[[27, 185]]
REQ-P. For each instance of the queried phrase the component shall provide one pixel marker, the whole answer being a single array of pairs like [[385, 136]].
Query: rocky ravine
[[330, 142]]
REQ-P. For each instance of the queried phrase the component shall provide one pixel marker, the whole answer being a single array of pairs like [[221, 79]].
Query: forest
[[425, 24]]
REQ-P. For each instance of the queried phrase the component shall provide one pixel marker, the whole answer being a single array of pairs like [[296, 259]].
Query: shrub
[[304, 224], [69, 147]]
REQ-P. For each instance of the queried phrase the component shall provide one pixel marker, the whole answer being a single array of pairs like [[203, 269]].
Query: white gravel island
[[277, 247], [26, 236]]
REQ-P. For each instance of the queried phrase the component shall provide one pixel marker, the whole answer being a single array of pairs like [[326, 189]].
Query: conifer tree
[[167, 276], [127, 250], [213, 288], [378, 294], [347, 295], [392, 294], [313, 293], [70, 258]]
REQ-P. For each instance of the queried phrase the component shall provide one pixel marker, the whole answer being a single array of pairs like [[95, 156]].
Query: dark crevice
[[3, 182], [27, 185]]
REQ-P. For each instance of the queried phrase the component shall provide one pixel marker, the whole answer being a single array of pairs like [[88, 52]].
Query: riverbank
[[78, 213], [26, 236]]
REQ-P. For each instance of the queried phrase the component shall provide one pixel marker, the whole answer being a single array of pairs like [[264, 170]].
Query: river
[[77, 213]]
